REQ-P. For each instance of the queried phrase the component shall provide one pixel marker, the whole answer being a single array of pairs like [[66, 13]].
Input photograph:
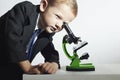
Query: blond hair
[[72, 3]]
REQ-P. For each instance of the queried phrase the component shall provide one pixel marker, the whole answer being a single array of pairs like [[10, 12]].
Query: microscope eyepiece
[[72, 37]]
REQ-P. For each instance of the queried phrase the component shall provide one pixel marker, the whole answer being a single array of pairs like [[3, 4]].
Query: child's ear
[[43, 5]]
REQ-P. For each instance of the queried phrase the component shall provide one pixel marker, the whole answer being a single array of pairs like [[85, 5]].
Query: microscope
[[75, 64]]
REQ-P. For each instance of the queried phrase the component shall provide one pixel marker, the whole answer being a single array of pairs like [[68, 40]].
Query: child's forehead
[[63, 8], [72, 4], [65, 12]]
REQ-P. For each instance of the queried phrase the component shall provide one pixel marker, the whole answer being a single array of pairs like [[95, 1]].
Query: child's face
[[52, 17]]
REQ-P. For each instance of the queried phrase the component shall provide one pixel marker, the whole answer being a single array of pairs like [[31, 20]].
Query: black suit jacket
[[16, 29]]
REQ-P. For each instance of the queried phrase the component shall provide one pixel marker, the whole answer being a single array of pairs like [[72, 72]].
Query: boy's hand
[[48, 67]]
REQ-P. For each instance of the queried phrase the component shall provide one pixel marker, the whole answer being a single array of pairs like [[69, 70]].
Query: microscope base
[[81, 67]]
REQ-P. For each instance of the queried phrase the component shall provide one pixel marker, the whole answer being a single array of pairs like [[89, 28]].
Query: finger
[[51, 70], [45, 67], [48, 67]]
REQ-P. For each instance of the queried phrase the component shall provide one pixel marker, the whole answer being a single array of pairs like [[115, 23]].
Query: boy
[[16, 29]]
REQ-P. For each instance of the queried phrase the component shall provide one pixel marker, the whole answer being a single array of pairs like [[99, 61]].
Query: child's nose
[[58, 26]]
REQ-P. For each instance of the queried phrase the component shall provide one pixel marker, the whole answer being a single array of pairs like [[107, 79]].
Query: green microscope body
[[75, 64]]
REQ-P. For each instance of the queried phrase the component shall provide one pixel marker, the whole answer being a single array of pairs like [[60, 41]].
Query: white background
[[98, 23]]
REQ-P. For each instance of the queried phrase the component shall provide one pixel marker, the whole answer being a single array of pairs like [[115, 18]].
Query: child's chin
[[49, 31]]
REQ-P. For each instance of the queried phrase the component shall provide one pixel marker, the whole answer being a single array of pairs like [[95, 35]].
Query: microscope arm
[[64, 42]]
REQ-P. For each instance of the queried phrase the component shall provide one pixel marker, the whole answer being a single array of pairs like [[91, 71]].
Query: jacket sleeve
[[14, 32], [50, 54]]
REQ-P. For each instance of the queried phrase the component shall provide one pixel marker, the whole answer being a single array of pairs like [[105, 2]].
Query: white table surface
[[102, 72]]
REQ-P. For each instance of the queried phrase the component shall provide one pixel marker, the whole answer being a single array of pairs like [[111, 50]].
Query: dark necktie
[[31, 43]]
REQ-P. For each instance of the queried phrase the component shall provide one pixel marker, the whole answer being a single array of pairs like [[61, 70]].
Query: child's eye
[[58, 17]]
